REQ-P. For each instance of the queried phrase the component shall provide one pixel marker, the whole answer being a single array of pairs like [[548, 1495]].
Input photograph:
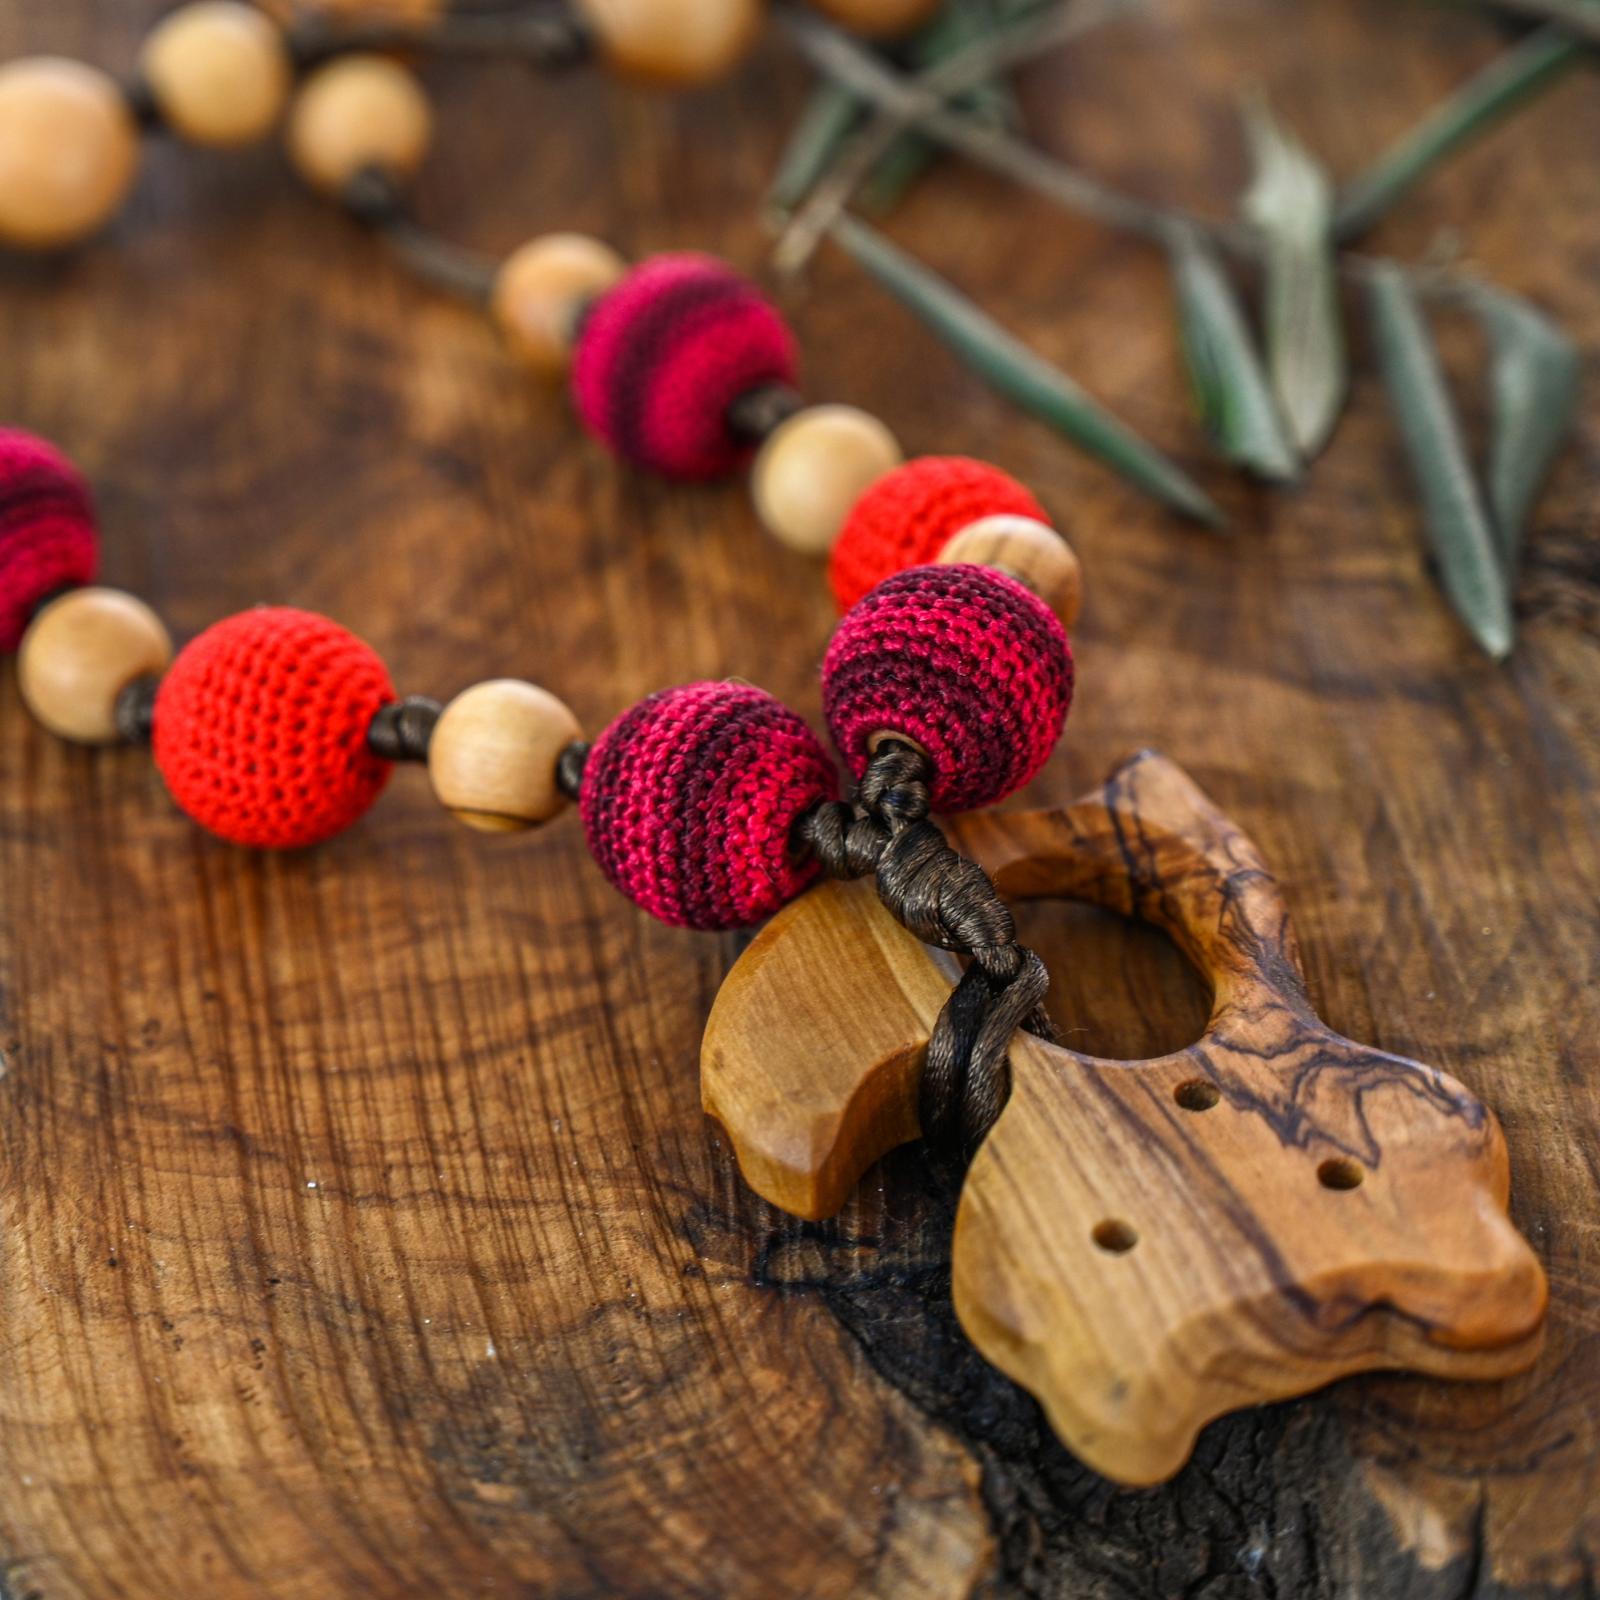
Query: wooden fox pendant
[[1143, 1245]]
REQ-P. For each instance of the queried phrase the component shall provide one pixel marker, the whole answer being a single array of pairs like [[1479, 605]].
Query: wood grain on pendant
[[1144, 1245]]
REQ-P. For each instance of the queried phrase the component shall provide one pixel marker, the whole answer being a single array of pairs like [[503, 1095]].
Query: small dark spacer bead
[[401, 731], [135, 710], [558, 41], [373, 196], [758, 412], [569, 768], [142, 103]]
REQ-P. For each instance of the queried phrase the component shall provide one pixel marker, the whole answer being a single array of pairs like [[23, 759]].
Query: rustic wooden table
[[362, 1232]]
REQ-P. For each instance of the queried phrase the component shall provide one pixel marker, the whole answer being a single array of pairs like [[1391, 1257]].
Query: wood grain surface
[[362, 1234]]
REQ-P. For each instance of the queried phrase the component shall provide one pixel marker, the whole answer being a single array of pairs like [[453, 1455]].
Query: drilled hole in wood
[[1118, 988], [1197, 1094], [1114, 1235], [1340, 1172]]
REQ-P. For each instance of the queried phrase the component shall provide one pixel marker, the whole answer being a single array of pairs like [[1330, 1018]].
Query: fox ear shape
[[814, 1047], [1144, 1245]]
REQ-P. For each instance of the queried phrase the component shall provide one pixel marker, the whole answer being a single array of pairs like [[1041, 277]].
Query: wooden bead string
[[507, 755]]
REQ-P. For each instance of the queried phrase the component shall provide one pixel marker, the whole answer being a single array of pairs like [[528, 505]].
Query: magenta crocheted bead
[[665, 353], [689, 800], [961, 660], [47, 529]]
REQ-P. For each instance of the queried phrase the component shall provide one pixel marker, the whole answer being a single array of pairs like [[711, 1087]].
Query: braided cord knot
[[948, 901]]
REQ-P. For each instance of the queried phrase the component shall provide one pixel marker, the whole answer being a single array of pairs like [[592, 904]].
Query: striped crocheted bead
[[960, 660], [689, 801], [261, 728], [910, 514], [662, 356], [48, 539]]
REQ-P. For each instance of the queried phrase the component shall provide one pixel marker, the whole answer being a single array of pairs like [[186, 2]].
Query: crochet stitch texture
[[261, 728], [689, 800], [48, 538], [964, 662], [908, 516], [665, 353]]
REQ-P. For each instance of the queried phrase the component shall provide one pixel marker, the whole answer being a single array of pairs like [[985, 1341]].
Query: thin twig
[[1579, 17], [919, 102], [1508, 81], [913, 104]]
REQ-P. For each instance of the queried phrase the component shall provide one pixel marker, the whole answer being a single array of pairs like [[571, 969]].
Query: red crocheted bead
[[961, 660], [908, 516], [665, 353], [689, 800], [47, 529], [261, 728]]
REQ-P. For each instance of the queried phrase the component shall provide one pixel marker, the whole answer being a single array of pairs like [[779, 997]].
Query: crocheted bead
[[906, 517], [960, 660], [665, 353], [47, 529], [688, 801], [261, 728]]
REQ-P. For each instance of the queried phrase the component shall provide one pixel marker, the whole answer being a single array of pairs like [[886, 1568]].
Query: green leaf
[[1511, 78], [1290, 203], [829, 116], [1534, 389], [1020, 374], [1230, 385], [1458, 525]]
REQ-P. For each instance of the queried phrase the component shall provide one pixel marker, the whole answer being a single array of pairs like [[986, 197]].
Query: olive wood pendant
[[1143, 1245]]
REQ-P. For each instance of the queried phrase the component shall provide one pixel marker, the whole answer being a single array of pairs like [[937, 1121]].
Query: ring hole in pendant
[[1115, 1236], [1340, 1172], [1197, 1094], [1120, 989]]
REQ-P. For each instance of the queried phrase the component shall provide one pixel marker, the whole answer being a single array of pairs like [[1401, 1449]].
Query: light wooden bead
[[813, 468], [541, 290], [673, 41], [358, 112], [81, 652], [492, 758], [1031, 552], [69, 148], [219, 72], [878, 19]]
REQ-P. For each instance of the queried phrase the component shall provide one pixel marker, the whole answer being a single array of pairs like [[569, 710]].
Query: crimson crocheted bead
[[48, 539], [908, 516], [665, 353], [961, 660], [690, 798], [261, 728]]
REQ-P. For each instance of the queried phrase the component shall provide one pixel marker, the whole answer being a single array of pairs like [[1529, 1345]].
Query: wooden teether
[[1143, 1245]]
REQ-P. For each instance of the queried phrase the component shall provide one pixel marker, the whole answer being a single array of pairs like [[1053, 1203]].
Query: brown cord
[[758, 413], [949, 901], [373, 197], [551, 38], [134, 712], [401, 731], [569, 768]]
